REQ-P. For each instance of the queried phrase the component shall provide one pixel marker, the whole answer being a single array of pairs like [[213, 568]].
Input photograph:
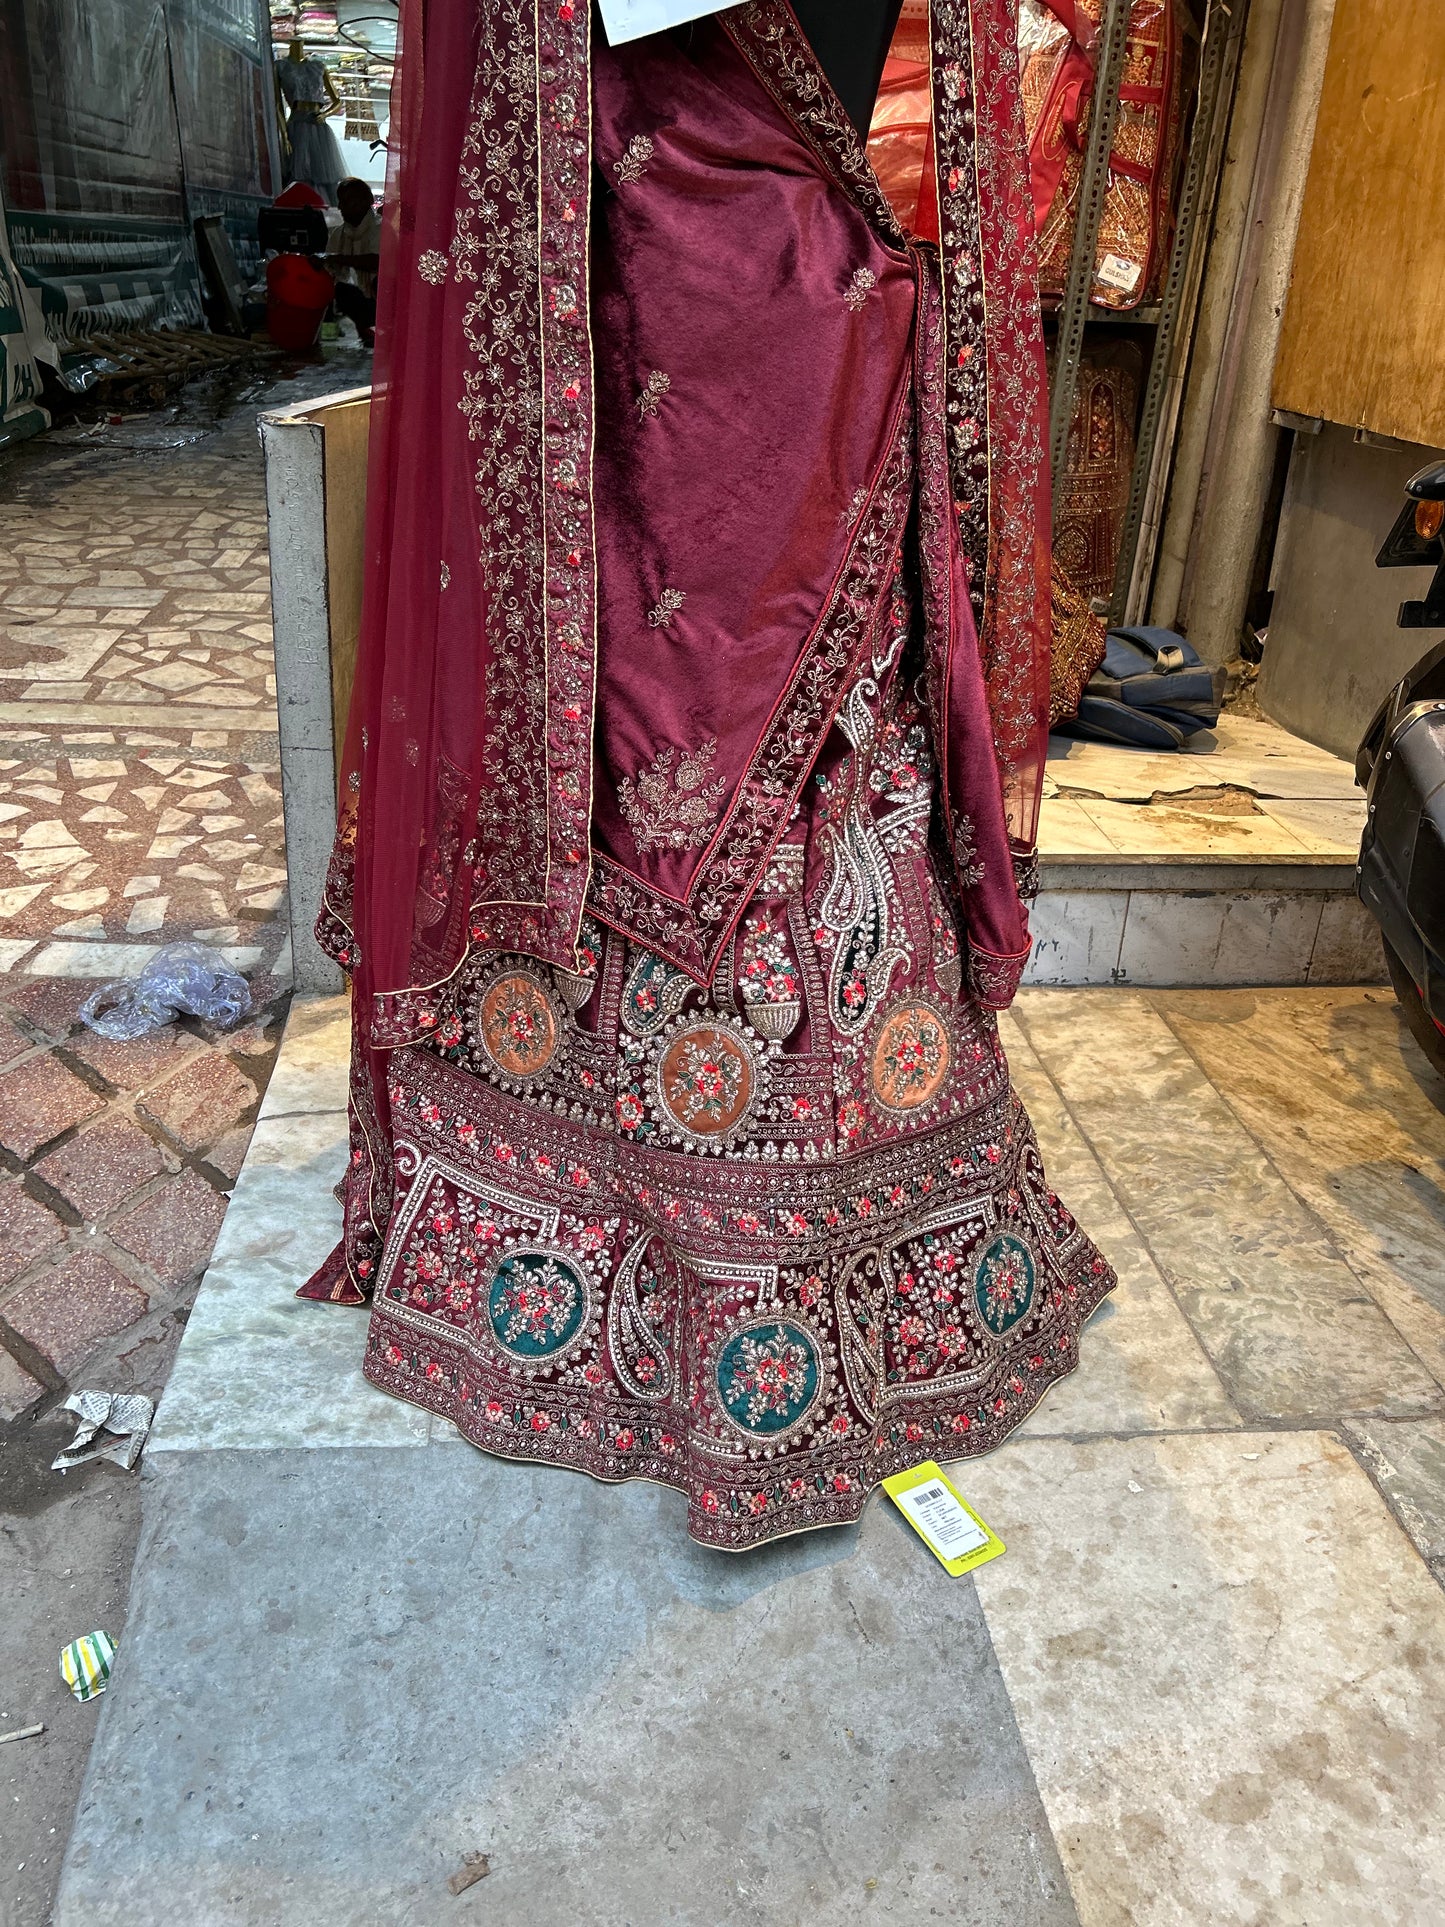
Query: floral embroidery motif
[[768, 980], [767, 1377], [446, 576], [667, 811], [633, 164], [653, 390], [517, 1024], [969, 863], [705, 1080], [432, 267], [911, 1057], [667, 606], [856, 294], [536, 1303], [1003, 1282]]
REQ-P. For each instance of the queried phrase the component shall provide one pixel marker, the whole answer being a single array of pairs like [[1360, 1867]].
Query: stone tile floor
[[1260, 796], [139, 803], [1219, 1626]]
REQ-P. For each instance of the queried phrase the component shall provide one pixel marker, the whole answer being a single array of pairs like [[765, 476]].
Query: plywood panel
[[346, 427], [1363, 341]]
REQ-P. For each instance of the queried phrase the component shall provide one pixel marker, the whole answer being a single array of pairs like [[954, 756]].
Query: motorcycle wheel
[[1423, 1028]]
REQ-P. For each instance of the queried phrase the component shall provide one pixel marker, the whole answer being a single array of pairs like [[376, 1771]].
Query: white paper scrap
[[631, 19]]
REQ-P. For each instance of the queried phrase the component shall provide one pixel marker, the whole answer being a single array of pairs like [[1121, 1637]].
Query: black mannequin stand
[[850, 39]]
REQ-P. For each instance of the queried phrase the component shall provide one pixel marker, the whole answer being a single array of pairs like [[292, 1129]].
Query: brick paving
[[115, 1185], [140, 802]]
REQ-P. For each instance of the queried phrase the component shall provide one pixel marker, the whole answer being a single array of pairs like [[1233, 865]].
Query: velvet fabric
[[666, 392]]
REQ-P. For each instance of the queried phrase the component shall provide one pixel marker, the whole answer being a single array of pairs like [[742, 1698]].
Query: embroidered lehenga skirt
[[700, 1163]]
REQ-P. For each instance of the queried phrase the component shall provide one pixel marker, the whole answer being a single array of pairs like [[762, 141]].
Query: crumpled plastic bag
[[180, 977], [113, 1425]]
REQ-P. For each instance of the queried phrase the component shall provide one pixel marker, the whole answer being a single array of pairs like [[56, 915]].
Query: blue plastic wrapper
[[181, 977]]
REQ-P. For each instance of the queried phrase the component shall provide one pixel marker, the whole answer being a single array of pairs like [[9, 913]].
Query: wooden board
[[346, 427], [1363, 340]]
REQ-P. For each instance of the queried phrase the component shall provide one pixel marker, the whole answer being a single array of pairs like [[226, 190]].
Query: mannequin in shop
[[309, 95], [850, 40], [690, 790]]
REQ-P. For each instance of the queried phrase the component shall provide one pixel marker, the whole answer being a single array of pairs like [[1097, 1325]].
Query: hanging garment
[[1098, 465], [694, 768], [315, 156], [1056, 43]]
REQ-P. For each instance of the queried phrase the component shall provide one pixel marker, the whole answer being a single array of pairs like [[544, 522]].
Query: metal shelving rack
[[1221, 30]]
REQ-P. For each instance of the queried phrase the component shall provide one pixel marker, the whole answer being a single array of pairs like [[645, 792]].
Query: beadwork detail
[[432, 267]]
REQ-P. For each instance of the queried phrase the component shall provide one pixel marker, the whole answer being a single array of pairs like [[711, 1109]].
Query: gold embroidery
[[432, 267], [653, 390], [859, 288], [633, 164], [667, 811], [668, 604]]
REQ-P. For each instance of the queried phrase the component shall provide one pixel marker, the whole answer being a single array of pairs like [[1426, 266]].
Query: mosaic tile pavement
[[140, 802]]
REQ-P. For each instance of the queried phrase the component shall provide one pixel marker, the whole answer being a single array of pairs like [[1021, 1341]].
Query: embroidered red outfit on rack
[[698, 734]]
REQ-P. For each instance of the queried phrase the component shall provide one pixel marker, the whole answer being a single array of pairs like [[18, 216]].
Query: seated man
[[352, 256]]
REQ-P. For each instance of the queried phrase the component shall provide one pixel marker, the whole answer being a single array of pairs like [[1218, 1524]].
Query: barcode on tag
[[943, 1521], [1115, 272]]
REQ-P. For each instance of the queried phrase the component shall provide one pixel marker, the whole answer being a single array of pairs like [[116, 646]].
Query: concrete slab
[[1228, 1666], [345, 1669]]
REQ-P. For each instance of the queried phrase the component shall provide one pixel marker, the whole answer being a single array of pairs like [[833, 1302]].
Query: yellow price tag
[[951, 1530]]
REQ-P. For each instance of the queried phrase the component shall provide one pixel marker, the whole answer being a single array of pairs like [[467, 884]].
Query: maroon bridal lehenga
[[694, 763]]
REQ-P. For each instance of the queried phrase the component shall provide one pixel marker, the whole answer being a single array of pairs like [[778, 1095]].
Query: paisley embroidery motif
[[673, 811], [633, 164], [641, 1320], [655, 991]]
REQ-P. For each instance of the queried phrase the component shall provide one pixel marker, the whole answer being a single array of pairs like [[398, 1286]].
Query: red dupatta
[[468, 797]]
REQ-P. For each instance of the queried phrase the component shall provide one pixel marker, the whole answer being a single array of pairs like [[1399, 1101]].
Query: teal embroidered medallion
[[767, 1377], [1003, 1282], [536, 1304]]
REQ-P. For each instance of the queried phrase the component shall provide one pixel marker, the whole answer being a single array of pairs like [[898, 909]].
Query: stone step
[[1231, 868]]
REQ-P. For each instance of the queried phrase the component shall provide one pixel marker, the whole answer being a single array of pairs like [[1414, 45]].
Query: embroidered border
[[767, 34], [993, 349], [519, 251]]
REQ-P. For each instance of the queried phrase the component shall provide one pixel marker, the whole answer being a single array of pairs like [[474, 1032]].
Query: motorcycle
[[1400, 765]]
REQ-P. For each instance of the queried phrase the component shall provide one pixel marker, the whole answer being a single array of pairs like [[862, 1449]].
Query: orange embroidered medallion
[[518, 1024], [911, 1057], [705, 1080]]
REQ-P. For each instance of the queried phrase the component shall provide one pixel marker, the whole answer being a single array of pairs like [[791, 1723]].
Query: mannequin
[[309, 92], [850, 38]]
